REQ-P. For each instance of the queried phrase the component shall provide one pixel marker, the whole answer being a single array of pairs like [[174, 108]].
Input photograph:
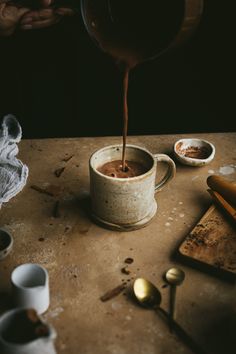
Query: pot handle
[[170, 173]]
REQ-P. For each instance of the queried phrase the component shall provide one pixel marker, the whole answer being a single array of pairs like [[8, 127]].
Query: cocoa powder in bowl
[[194, 152]]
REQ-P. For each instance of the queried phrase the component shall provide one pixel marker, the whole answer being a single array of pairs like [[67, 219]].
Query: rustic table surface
[[84, 260]]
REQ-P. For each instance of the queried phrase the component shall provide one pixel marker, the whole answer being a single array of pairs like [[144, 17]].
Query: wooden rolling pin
[[223, 187], [231, 211]]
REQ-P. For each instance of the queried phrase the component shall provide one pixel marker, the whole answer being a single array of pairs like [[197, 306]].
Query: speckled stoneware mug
[[126, 203]]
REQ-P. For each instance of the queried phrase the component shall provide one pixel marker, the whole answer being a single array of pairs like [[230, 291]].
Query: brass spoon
[[149, 296], [174, 277]]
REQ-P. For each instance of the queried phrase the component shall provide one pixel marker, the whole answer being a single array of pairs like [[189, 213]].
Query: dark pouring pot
[[133, 31]]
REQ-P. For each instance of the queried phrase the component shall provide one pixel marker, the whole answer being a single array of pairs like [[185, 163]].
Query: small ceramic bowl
[[194, 152], [6, 243]]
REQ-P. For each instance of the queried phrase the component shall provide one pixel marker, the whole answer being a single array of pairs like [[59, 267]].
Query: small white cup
[[30, 287]]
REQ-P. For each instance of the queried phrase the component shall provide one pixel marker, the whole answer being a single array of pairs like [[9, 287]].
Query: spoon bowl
[[146, 293], [175, 276]]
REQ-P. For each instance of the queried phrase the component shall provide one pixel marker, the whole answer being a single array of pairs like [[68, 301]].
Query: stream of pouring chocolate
[[131, 32], [125, 113]]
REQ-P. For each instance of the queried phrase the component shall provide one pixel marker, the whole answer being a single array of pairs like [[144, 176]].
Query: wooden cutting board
[[212, 241]]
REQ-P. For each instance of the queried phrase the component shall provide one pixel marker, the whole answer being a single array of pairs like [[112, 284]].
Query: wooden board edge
[[192, 259], [201, 220]]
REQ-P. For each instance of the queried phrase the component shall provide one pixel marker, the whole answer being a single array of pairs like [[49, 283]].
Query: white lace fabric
[[13, 173]]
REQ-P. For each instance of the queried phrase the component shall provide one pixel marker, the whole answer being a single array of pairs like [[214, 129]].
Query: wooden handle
[[223, 204], [224, 187]]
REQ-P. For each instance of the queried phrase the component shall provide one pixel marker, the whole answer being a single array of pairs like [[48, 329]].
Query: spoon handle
[[172, 306], [182, 333]]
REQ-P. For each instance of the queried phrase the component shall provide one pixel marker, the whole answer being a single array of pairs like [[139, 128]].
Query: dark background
[[59, 84]]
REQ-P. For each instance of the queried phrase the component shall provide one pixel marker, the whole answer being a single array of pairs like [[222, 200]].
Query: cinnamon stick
[[112, 293]]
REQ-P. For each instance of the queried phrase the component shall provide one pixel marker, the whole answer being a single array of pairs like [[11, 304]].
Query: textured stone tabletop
[[84, 260]]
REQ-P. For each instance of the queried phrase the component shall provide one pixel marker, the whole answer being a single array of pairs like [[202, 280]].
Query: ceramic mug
[[30, 287], [23, 332], [126, 203], [6, 243]]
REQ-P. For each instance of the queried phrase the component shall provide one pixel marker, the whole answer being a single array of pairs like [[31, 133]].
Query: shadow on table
[[205, 268], [220, 334], [176, 330]]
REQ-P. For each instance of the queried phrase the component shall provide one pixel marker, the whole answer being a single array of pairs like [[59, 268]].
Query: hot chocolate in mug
[[126, 203], [23, 331]]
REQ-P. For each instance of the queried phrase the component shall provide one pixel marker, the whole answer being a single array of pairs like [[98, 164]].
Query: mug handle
[[170, 173]]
